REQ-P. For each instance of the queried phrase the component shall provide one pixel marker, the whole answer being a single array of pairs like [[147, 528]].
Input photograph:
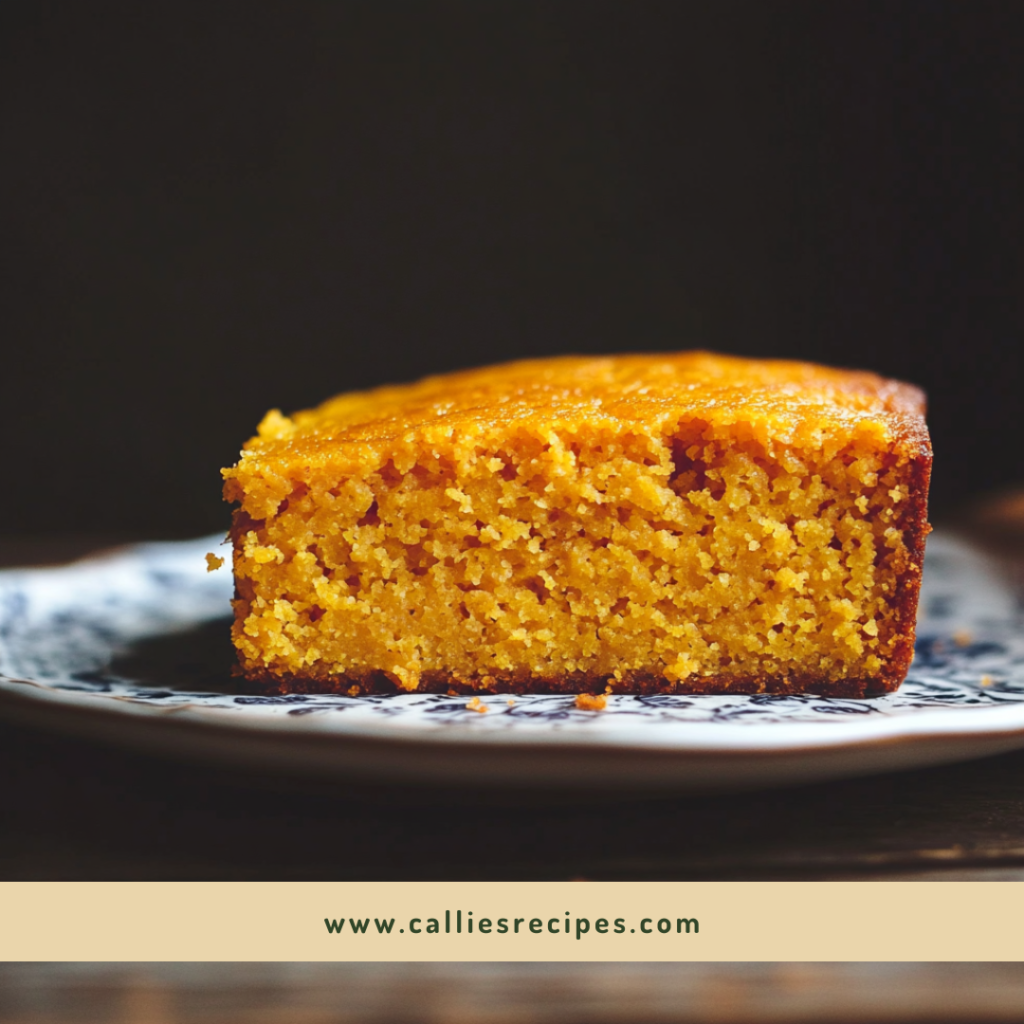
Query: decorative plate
[[133, 647]]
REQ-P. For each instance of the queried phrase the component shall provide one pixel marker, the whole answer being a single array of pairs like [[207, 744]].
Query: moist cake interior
[[589, 557]]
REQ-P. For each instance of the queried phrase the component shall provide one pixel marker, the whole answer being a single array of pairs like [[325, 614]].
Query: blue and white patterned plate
[[133, 647]]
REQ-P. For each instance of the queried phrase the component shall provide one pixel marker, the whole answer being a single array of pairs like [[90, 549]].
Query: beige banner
[[697, 921]]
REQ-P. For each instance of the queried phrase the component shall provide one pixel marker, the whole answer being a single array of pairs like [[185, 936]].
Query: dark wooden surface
[[72, 809], [76, 810], [511, 993]]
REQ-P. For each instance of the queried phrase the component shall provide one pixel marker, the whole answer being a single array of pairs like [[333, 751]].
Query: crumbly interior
[[601, 553]]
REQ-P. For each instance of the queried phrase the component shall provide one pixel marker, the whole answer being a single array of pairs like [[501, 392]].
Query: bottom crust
[[639, 684]]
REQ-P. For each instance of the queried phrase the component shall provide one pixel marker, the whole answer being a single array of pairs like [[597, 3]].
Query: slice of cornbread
[[664, 523]]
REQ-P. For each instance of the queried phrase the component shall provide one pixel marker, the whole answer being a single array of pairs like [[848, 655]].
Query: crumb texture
[[663, 523]]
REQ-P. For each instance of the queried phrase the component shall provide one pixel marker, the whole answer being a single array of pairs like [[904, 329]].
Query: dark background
[[209, 211]]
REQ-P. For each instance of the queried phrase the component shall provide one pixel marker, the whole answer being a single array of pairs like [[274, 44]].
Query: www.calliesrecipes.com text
[[459, 923]]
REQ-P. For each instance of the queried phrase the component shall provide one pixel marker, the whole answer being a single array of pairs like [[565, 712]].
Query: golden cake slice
[[637, 524]]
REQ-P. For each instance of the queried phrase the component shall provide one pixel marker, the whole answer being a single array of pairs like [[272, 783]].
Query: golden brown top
[[769, 400]]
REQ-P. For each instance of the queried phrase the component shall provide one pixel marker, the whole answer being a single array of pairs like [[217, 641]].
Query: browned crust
[[645, 684], [914, 525]]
